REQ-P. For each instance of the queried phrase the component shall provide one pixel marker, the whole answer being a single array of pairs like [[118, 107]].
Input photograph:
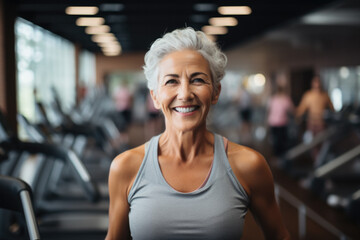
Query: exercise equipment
[[335, 173], [17, 196]]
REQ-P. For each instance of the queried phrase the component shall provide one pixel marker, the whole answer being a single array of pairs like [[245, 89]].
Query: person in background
[[154, 123], [279, 108], [123, 103], [314, 103], [244, 100], [189, 182]]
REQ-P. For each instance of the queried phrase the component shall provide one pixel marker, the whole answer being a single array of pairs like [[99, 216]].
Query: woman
[[188, 183], [279, 108]]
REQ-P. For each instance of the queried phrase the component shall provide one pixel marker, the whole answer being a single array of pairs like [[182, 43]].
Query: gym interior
[[73, 96]]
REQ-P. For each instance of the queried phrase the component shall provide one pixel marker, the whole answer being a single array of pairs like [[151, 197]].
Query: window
[[343, 85], [44, 61]]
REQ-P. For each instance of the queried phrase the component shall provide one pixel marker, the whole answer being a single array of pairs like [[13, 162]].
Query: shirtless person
[[315, 102]]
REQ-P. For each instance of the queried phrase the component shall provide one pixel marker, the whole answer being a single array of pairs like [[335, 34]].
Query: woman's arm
[[255, 176], [263, 204], [123, 171]]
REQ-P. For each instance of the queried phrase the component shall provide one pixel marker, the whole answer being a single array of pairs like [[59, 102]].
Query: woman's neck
[[184, 146]]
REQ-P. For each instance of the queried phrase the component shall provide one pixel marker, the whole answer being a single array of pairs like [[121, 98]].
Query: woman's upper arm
[[254, 174], [122, 173], [263, 203]]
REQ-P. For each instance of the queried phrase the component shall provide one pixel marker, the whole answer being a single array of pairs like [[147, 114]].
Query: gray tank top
[[214, 211]]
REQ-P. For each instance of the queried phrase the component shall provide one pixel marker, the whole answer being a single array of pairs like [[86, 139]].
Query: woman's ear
[[154, 98], [216, 95]]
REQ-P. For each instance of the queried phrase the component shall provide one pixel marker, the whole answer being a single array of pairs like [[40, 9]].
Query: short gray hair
[[180, 39]]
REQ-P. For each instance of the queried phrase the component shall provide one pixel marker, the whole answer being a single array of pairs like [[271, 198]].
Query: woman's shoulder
[[248, 165], [127, 163], [244, 155]]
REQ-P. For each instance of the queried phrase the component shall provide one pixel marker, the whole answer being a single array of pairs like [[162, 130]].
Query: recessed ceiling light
[[90, 21], [97, 29], [107, 37], [223, 21], [83, 10], [213, 30], [234, 10]]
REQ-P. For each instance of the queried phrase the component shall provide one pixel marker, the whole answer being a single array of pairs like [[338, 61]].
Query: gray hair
[[180, 39]]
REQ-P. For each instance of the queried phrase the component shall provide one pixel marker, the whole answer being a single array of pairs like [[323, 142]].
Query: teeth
[[185, 109]]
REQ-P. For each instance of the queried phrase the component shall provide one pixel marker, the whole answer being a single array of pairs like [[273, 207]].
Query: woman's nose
[[185, 92]]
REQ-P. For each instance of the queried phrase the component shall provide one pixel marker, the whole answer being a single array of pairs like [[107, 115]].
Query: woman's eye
[[170, 81], [198, 80]]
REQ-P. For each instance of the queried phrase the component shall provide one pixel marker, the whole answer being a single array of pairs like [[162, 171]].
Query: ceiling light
[[107, 37], [213, 30], [234, 10], [109, 44], [116, 48], [111, 51], [90, 21], [81, 10], [223, 21], [97, 29], [109, 54]]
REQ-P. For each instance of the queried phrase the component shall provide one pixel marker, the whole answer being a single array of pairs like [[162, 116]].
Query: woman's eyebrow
[[197, 73], [172, 75], [191, 75]]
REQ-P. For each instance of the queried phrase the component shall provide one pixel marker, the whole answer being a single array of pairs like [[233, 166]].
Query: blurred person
[[188, 182], [279, 107], [313, 104], [81, 92], [123, 103], [153, 125], [245, 113]]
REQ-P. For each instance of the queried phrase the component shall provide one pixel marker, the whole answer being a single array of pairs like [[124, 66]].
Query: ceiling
[[137, 23]]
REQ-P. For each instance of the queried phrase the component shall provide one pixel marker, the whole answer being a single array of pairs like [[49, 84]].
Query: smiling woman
[[188, 182], [185, 90]]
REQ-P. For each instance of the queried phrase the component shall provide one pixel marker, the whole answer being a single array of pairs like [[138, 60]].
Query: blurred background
[[71, 76]]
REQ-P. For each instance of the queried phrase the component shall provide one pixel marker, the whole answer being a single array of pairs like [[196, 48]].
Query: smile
[[185, 109]]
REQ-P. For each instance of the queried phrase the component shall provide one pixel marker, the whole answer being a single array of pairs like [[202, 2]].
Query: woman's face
[[185, 90]]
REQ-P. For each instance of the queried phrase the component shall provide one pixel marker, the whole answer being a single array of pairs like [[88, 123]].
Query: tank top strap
[[150, 147], [220, 154], [220, 151]]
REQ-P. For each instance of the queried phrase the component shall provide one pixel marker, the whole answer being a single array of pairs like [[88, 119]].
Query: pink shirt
[[150, 105], [122, 98], [279, 106]]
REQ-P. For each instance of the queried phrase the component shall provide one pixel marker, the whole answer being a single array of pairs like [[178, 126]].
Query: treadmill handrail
[[302, 148], [19, 198], [29, 215], [59, 153], [331, 166]]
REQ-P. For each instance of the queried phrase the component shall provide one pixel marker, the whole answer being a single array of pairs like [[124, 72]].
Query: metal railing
[[304, 212]]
